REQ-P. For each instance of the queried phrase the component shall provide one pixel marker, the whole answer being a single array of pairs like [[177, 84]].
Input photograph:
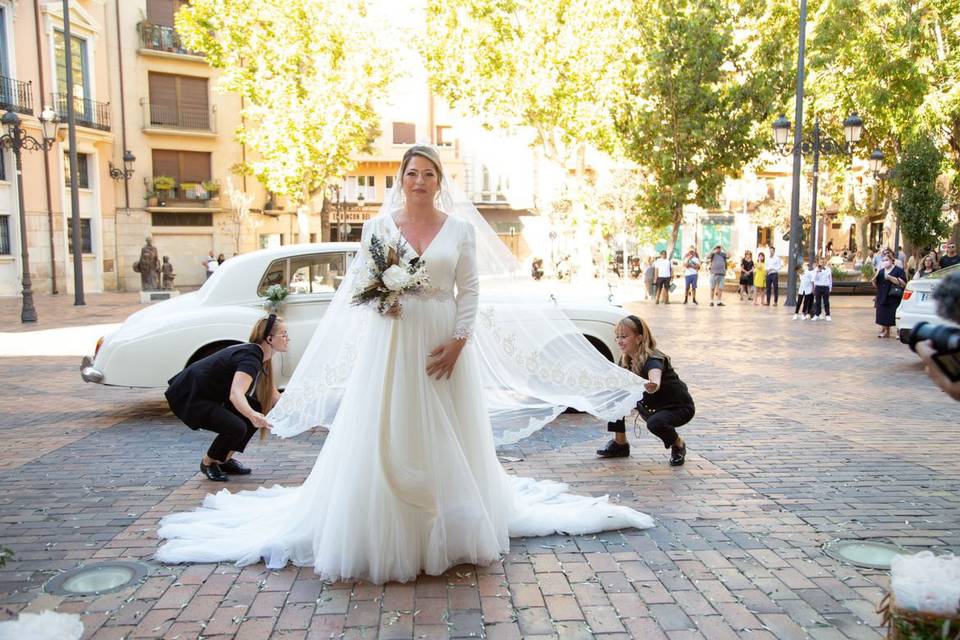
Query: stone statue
[[166, 271], [148, 267]]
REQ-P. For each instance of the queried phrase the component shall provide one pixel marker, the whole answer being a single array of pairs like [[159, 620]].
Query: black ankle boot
[[213, 472], [678, 455], [614, 450]]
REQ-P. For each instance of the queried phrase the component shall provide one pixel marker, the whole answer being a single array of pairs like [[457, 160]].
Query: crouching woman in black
[[666, 402], [228, 393]]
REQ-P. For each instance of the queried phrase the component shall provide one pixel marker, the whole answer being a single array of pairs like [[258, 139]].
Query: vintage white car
[[155, 343]]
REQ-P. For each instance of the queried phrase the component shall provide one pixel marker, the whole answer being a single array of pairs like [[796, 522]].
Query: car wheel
[[209, 350]]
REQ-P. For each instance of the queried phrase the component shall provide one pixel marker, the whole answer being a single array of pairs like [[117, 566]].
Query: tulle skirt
[[407, 482]]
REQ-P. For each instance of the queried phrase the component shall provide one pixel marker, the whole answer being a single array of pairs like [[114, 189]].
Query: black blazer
[[207, 382]]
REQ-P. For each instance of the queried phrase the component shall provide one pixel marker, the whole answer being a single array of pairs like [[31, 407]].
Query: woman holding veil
[[415, 382]]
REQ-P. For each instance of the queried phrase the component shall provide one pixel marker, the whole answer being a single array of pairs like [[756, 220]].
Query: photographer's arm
[[926, 352]]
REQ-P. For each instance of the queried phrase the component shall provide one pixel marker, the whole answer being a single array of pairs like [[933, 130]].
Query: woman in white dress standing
[[408, 480]]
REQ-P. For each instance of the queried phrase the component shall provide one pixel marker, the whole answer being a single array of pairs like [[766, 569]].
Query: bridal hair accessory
[[389, 276]]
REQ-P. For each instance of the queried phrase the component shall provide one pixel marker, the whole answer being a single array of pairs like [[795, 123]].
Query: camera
[[946, 341]]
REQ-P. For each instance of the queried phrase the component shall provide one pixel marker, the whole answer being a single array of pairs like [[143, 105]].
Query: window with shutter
[[161, 12], [178, 101], [186, 167], [194, 110], [163, 100], [404, 133]]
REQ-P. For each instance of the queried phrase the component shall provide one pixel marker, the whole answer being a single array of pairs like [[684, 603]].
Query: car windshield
[[942, 273]]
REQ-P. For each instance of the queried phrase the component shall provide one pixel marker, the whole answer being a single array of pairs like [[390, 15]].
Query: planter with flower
[[276, 294], [164, 187], [212, 187]]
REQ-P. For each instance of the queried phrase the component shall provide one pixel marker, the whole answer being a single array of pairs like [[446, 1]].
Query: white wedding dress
[[408, 480]]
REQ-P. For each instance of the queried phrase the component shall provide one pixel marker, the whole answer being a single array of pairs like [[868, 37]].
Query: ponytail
[[264, 389]]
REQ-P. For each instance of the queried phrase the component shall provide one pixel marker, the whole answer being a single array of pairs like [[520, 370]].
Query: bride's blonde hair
[[426, 152]]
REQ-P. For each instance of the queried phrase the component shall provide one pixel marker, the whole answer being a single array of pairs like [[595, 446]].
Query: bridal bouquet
[[389, 276]]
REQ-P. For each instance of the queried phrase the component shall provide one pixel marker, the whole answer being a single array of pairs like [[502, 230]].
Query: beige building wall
[[29, 36]]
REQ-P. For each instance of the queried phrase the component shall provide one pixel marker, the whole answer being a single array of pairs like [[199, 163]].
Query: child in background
[[805, 299], [823, 285]]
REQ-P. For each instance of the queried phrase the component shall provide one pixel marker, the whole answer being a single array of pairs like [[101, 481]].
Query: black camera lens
[[945, 339]]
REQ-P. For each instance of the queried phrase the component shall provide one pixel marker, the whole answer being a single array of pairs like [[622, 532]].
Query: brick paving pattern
[[804, 433]]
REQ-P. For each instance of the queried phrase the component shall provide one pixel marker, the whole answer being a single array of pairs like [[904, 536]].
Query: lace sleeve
[[468, 285]]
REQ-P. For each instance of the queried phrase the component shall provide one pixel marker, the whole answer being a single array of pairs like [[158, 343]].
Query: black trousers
[[822, 296], [806, 301], [232, 429], [773, 285], [662, 423]]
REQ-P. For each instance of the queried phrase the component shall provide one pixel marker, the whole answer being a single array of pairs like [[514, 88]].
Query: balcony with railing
[[16, 95], [178, 119], [89, 113], [164, 39]]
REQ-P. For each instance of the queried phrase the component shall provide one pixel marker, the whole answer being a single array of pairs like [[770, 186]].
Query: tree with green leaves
[[308, 71], [550, 65], [699, 91], [919, 201], [897, 63]]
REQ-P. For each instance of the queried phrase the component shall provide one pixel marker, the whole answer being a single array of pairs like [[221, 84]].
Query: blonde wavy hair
[[648, 345]]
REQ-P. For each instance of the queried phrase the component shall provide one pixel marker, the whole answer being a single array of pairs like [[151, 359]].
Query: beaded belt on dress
[[431, 293]]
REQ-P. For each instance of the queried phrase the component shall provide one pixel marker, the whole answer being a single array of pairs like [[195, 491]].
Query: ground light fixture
[[868, 554], [97, 578]]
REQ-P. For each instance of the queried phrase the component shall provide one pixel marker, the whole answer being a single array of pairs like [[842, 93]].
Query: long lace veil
[[534, 362]]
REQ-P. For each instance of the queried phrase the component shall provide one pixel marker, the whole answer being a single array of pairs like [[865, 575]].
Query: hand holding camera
[[939, 345]]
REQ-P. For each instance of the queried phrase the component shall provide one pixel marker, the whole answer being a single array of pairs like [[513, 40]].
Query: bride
[[408, 480]]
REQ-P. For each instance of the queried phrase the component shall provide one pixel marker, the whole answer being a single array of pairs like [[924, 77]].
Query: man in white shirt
[[773, 276], [210, 263], [822, 285], [664, 270]]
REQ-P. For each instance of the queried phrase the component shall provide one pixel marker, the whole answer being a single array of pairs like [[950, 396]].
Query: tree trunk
[[325, 220], [675, 233]]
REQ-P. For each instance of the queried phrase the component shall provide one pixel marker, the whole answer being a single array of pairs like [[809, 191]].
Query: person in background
[[889, 281], [221, 259], [949, 257], [210, 263], [822, 286], [718, 271], [650, 278], [805, 293], [927, 266], [759, 278], [911, 267], [666, 403], [664, 269], [746, 276], [691, 267], [902, 257], [773, 277], [858, 261]]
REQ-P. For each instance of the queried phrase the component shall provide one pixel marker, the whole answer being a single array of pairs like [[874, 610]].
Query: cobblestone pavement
[[804, 432]]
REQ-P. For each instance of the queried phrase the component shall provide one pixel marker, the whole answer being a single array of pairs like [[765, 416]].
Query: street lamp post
[[881, 173], [125, 173], [817, 143], [16, 139]]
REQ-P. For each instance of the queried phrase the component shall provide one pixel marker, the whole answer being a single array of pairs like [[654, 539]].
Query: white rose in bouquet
[[396, 278]]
